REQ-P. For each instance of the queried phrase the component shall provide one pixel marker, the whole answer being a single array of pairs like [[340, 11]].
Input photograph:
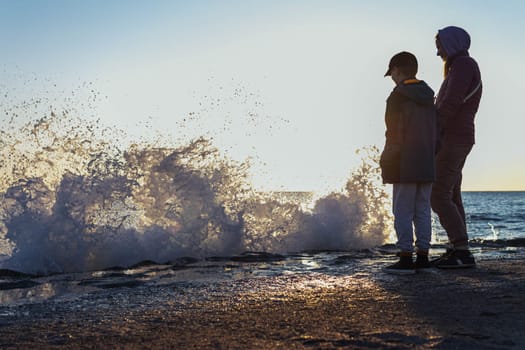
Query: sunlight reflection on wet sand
[[341, 300]]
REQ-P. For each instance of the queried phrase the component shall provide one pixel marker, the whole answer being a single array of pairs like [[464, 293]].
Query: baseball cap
[[401, 59]]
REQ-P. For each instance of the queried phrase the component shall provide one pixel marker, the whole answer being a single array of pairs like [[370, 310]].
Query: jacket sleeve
[[393, 121], [458, 84]]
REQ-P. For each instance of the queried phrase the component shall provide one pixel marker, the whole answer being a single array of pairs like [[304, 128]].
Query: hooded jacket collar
[[416, 90]]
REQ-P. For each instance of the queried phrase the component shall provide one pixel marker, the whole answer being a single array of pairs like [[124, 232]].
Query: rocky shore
[[322, 308]]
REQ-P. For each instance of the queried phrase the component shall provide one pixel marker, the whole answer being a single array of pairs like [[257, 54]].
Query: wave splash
[[72, 200]]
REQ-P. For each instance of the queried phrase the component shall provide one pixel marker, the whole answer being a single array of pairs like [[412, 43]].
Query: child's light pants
[[411, 208]]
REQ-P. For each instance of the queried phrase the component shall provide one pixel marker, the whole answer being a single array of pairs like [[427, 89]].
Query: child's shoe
[[422, 262], [405, 266]]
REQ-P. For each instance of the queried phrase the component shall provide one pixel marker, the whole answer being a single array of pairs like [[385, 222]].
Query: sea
[[81, 213], [491, 216]]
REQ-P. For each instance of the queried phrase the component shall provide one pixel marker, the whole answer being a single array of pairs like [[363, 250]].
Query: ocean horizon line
[[315, 191]]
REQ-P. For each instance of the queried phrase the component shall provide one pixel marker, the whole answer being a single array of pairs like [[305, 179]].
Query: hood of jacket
[[454, 40], [416, 90]]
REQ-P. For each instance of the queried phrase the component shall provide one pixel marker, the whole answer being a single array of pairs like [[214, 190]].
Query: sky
[[295, 86]]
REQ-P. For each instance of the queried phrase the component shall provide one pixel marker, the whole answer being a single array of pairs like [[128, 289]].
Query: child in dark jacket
[[407, 160]]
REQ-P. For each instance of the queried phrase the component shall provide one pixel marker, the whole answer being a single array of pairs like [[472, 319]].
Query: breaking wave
[[73, 199]]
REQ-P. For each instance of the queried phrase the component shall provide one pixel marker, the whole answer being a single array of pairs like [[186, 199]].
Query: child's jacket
[[408, 156]]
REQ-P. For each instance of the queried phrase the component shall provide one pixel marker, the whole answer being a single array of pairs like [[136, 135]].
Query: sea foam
[[75, 199]]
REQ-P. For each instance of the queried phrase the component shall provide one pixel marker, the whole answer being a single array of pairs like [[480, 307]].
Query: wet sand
[[480, 308]]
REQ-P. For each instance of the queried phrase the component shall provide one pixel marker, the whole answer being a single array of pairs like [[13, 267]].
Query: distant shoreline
[[495, 191], [468, 191]]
